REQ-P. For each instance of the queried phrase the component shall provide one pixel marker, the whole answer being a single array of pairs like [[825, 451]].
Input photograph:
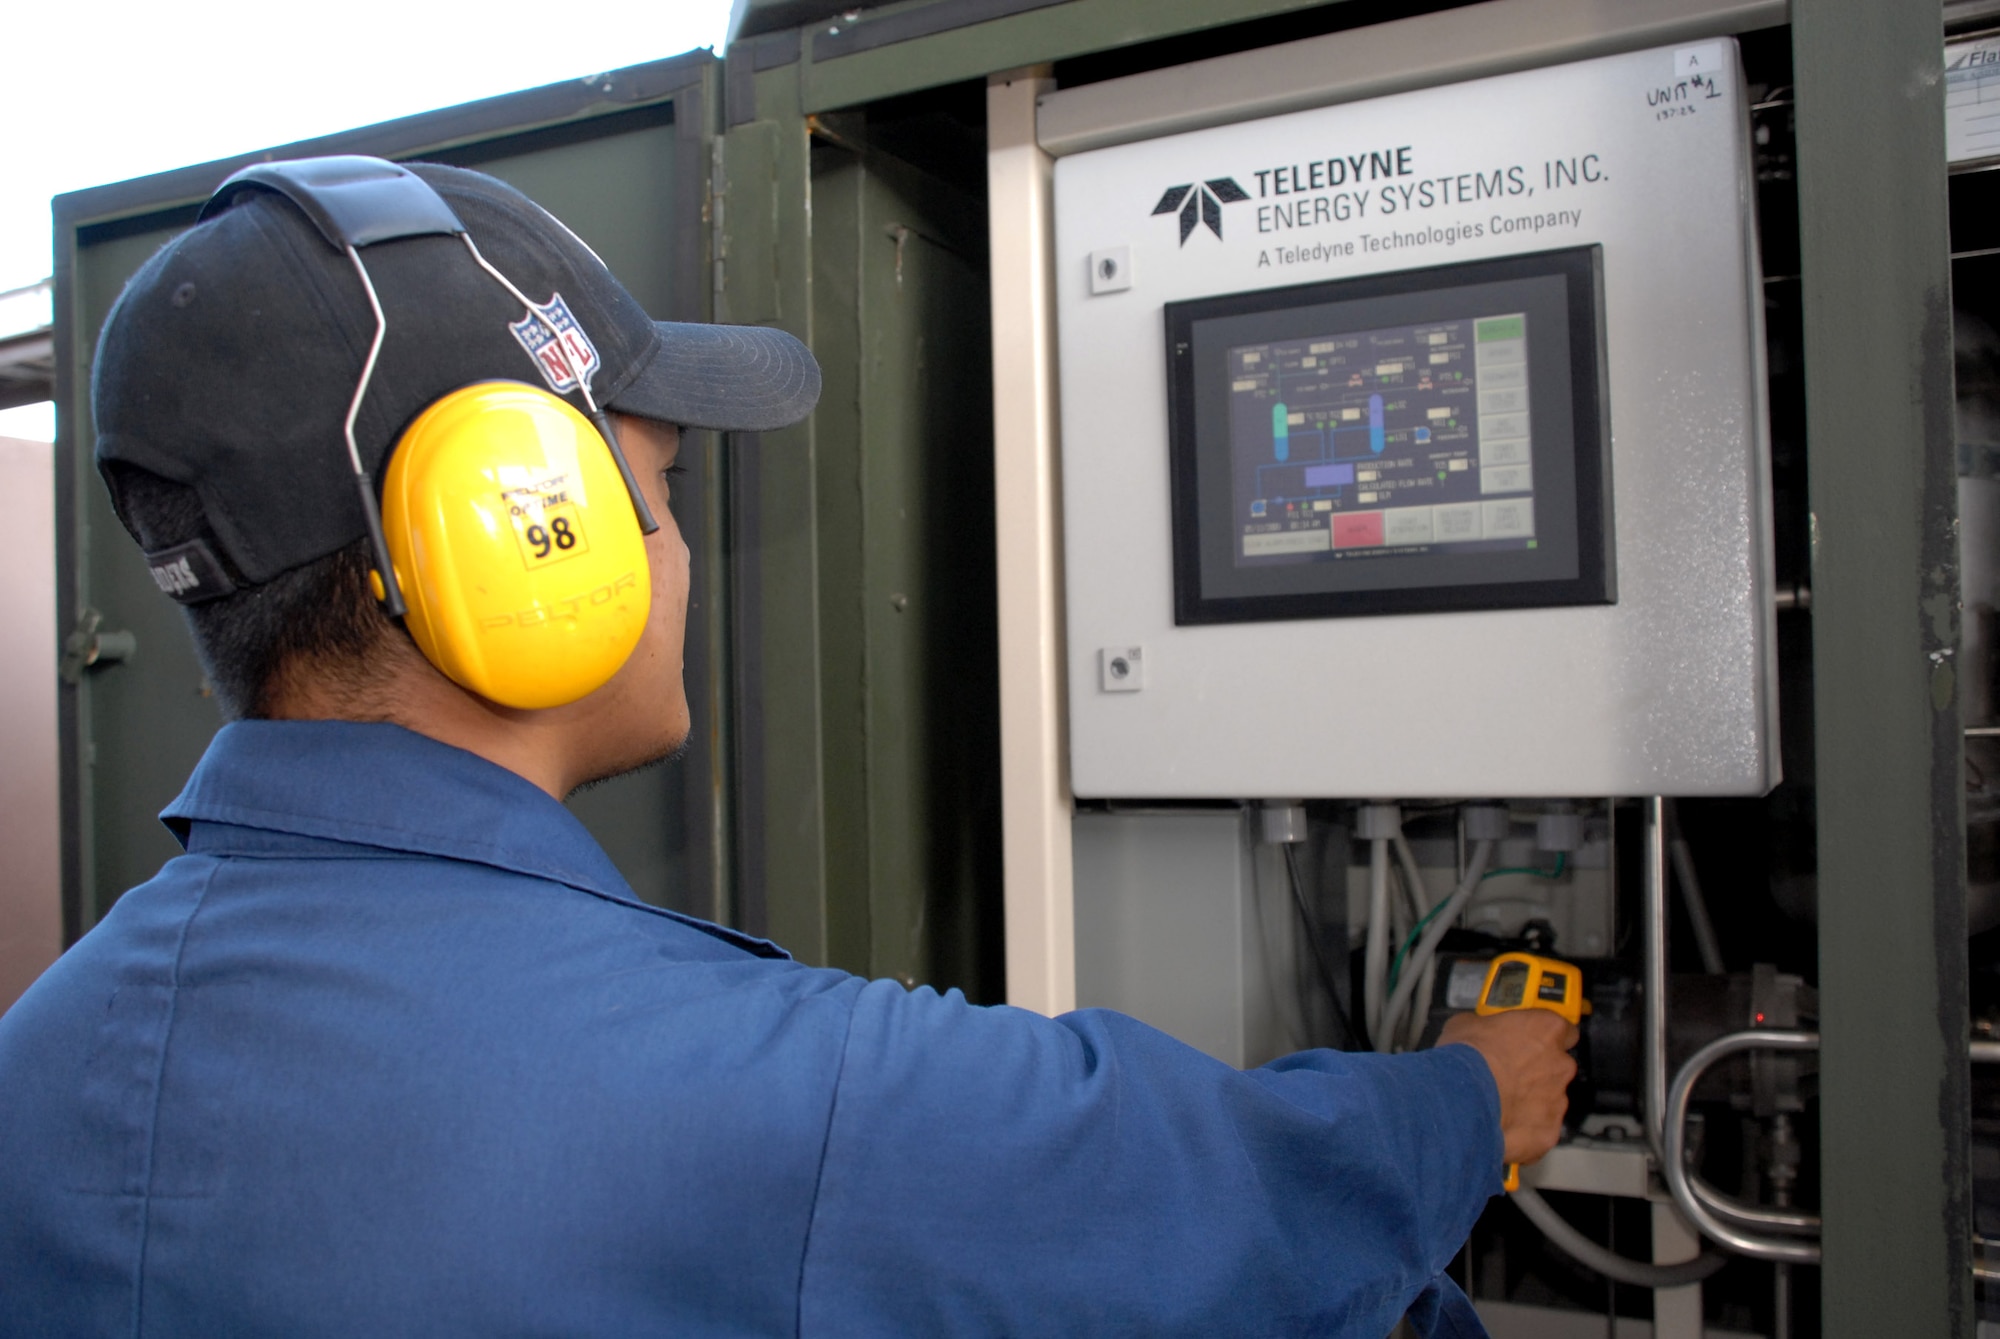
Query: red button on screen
[[1357, 530]]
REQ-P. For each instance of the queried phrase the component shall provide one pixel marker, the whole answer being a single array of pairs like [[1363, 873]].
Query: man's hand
[[1528, 1052]]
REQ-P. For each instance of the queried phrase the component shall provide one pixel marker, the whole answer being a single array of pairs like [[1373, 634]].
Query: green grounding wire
[[1417, 931]]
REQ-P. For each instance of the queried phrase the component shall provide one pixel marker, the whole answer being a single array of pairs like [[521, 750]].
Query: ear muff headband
[[509, 530]]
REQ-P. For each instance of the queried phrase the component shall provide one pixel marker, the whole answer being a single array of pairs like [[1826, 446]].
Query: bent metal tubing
[[1794, 1222], [1654, 1029], [1673, 1164], [1706, 1207]]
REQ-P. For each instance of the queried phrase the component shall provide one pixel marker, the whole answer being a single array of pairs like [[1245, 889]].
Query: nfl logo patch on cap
[[560, 364]]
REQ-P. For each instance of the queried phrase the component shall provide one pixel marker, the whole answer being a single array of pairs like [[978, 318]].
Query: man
[[393, 1049]]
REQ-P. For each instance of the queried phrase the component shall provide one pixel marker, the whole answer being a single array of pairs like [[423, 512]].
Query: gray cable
[[1310, 928], [1419, 1010], [1426, 949], [1590, 1255], [1697, 906], [1375, 963], [1416, 892]]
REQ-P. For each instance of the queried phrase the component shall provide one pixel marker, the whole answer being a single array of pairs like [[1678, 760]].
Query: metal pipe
[[1737, 1217], [1797, 1222], [1783, 1170], [1710, 1210], [1653, 914], [1729, 1209], [1673, 1152]]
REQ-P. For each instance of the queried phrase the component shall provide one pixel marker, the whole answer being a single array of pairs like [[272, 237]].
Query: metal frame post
[[1894, 1107]]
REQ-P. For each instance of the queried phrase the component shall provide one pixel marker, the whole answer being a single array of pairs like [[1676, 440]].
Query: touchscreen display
[[1408, 439], [1426, 440]]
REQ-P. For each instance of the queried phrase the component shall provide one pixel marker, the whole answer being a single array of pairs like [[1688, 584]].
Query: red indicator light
[[1760, 1018]]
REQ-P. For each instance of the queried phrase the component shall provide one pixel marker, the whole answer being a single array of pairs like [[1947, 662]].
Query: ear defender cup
[[516, 546]]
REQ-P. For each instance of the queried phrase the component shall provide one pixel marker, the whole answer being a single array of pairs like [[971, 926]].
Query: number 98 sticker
[[548, 532]]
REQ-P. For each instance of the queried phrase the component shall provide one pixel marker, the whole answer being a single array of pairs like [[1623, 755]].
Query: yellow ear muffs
[[516, 545]]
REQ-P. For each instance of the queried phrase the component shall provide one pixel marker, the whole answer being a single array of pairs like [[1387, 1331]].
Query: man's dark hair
[[321, 614]]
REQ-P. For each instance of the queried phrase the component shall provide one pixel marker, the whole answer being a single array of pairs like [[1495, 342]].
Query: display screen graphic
[[1368, 443], [1419, 441]]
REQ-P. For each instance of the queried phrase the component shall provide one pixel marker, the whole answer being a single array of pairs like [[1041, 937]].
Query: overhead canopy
[[750, 18], [27, 355]]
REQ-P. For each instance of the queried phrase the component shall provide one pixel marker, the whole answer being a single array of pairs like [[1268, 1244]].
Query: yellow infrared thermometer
[[1529, 981]]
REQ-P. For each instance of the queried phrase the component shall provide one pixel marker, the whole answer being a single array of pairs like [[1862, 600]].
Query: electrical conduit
[[1414, 968], [1379, 824]]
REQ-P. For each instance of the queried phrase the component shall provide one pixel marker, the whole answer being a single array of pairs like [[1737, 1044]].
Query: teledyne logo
[[1203, 203]]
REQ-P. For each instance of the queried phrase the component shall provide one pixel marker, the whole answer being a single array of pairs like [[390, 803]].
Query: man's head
[[227, 369]]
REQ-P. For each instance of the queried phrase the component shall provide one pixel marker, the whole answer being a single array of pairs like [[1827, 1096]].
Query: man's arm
[[992, 1171]]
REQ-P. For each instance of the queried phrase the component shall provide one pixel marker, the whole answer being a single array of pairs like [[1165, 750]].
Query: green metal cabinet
[[839, 790], [871, 807]]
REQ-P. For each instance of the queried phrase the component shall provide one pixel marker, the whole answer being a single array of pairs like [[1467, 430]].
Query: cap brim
[[732, 378]]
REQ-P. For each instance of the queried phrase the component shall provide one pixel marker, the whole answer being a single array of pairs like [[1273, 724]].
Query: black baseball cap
[[229, 361]]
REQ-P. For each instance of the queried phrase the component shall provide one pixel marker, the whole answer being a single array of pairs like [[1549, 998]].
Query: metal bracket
[[88, 648]]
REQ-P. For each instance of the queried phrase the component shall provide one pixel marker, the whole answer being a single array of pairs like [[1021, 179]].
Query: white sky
[[108, 91]]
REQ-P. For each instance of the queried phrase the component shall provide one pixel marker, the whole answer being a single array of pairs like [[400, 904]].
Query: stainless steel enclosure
[[1669, 688]]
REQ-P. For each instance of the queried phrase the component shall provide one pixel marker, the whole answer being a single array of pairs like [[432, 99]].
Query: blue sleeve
[[1443, 1311], [990, 1171]]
